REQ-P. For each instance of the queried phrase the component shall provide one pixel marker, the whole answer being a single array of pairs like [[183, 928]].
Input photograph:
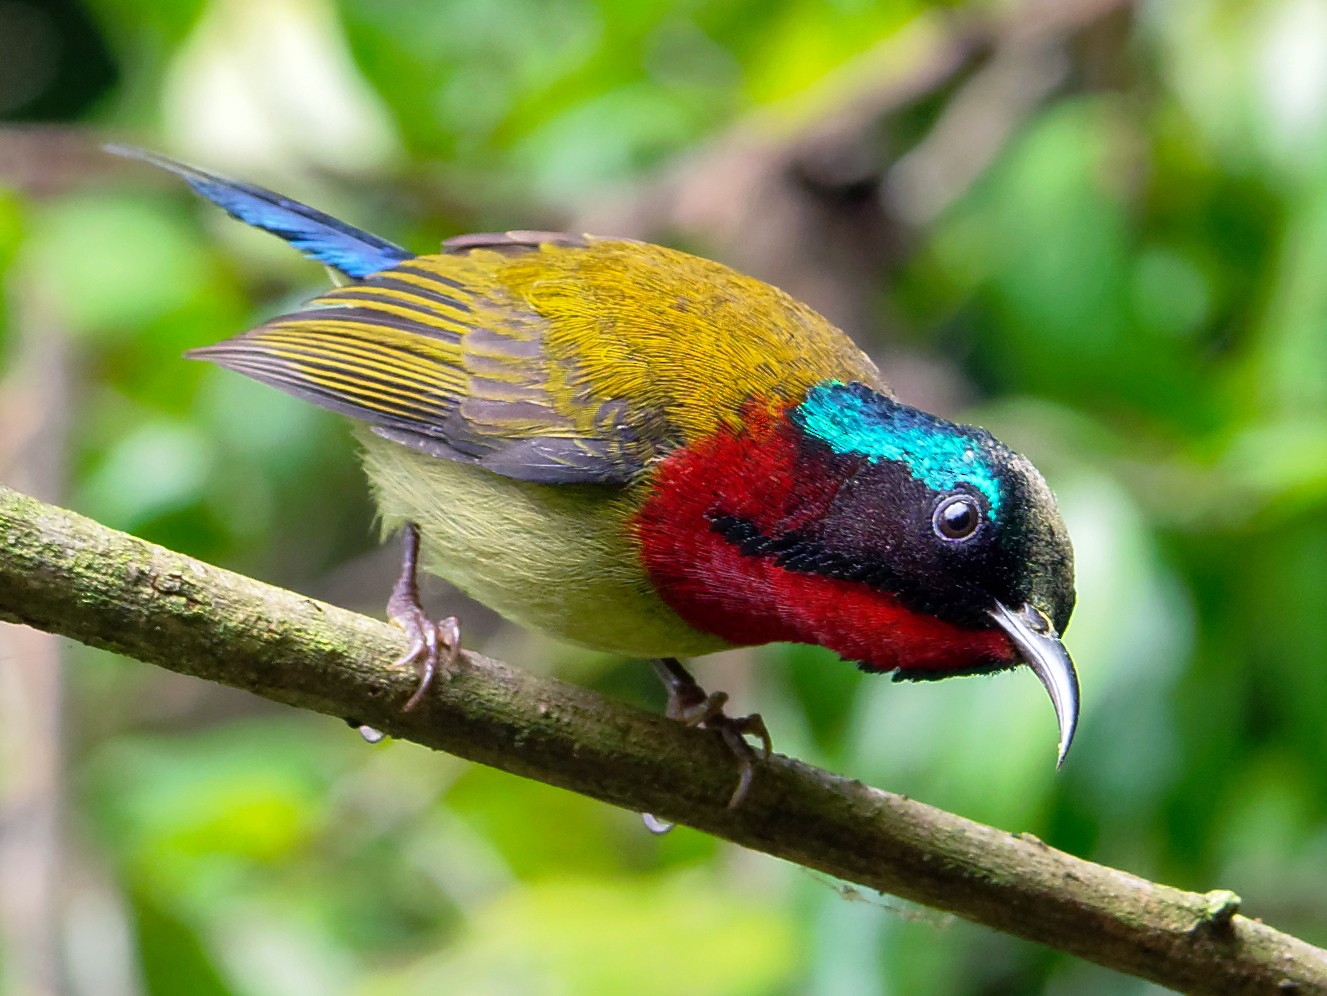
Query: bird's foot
[[434, 647], [690, 704]]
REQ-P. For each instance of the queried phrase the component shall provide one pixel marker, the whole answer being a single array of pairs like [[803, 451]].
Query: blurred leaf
[[805, 41], [191, 814], [606, 139], [824, 687], [12, 230], [541, 831], [165, 23], [132, 261], [453, 73], [159, 467], [1292, 348], [172, 958], [665, 936]]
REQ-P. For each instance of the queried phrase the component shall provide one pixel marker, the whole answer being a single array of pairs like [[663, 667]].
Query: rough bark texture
[[66, 574]]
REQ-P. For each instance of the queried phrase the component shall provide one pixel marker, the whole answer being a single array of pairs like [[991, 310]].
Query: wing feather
[[443, 363], [548, 358]]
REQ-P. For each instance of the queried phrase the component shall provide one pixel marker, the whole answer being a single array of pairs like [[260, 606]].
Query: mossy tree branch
[[68, 575]]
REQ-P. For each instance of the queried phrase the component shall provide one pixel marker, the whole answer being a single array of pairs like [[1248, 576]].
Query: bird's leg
[[434, 646], [690, 704]]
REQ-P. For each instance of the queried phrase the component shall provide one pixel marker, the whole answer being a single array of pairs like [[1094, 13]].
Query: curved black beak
[[1033, 636]]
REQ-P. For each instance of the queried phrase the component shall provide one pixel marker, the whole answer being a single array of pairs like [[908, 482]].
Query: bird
[[641, 451]]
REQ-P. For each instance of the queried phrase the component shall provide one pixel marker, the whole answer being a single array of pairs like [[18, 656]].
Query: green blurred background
[[1098, 228]]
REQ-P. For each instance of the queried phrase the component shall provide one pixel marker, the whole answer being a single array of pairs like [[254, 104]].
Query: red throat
[[763, 476]]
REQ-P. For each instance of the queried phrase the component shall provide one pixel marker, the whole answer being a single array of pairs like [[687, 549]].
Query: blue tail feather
[[319, 236]]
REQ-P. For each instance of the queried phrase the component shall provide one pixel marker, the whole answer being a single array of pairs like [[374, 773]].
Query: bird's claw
[[708, 713], [433, 647], [735, 730], [688, 703]]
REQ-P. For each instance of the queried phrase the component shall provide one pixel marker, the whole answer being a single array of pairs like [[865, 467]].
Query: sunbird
[[640, 451]]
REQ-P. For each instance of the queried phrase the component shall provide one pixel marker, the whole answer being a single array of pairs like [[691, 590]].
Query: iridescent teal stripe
[[852, 419]]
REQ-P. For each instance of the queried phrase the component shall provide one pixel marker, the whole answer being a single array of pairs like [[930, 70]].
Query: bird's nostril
[[1037, 622]]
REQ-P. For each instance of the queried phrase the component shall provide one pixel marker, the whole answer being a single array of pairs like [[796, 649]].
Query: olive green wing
[[549, 358], [434, 353]]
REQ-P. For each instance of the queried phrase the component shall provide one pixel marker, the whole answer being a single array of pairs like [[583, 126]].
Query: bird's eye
[[957, 517]]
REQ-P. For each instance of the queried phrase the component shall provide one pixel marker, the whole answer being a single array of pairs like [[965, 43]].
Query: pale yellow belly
[[553, 558]]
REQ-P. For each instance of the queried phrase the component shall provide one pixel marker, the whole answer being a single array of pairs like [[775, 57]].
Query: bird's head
[[898, 539], [952, 524]]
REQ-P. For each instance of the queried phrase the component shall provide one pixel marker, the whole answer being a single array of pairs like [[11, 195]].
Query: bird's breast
[[558, 559]]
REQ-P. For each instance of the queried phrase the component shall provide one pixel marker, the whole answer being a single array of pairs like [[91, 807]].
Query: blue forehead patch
[[854, 420]]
